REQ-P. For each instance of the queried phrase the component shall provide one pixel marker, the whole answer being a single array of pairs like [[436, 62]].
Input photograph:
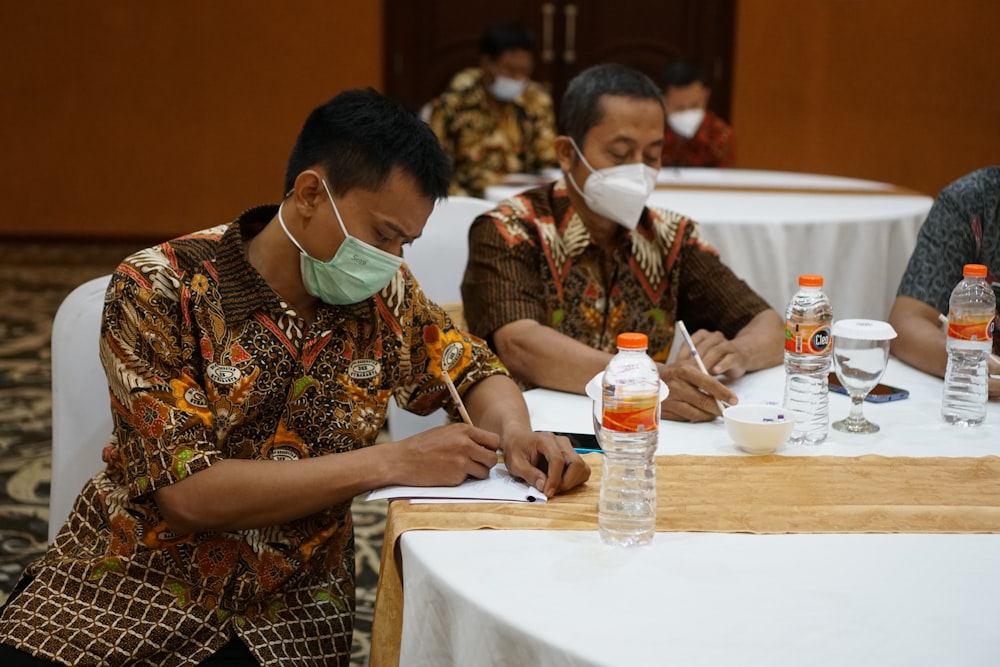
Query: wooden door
[[427, 41]]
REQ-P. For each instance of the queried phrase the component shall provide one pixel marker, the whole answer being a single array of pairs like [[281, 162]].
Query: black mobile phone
[[882, 393], [583, 442]]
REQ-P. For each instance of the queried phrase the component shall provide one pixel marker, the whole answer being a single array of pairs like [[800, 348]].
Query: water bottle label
[[980, 330], [807, 338], [635, 414]]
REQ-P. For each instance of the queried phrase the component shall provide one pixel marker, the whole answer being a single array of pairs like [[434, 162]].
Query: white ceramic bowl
[[758, 429]]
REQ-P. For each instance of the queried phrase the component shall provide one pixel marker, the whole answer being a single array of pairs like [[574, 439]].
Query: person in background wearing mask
[[249, 368], [695, 136], [493, 120], [963, 227], [556, 273]]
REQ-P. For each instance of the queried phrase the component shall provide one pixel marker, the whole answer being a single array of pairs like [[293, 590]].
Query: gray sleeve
[[944, 245]]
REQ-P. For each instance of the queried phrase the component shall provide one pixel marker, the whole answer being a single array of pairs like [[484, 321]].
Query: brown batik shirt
[[205, 363], [487, 139], [533, 258]]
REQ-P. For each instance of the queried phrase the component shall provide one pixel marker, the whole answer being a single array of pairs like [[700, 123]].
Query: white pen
[[697, 358]]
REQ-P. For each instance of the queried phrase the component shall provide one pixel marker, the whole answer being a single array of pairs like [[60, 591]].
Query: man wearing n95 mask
[[695, 136], [557, 272]]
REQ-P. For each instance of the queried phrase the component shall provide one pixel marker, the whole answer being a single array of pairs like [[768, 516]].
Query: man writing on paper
[[249, 367], [556, 273]]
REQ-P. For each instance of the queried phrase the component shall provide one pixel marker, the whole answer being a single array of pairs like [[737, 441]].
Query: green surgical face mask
[[356, 272]]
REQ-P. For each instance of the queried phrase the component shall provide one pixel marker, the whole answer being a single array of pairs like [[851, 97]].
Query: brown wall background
[[151, 119], [903, 91], [148, 120]]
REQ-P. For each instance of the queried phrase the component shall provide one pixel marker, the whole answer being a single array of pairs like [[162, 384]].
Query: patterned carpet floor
[[34, 279]]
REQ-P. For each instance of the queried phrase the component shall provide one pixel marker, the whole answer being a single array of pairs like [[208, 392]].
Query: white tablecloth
[[564, 598], [858, 234]]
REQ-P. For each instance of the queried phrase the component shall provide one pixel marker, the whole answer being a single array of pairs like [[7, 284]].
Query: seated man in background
[[556, 273], [493, 120], [963, 227], [249, 368], [695, 136]]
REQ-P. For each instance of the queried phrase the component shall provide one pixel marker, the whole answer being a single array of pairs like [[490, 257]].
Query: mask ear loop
[[580, 153], [335, 209], [284, 227]]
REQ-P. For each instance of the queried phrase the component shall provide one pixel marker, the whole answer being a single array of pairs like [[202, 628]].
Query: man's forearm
[[542, 356]]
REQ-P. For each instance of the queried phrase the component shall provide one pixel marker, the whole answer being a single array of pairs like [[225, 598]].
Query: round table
[[772, 226], [512, 597]]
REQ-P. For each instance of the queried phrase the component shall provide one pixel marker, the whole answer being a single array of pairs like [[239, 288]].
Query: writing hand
[[720, 355], [692, 393], [445, 456], [545, 460]]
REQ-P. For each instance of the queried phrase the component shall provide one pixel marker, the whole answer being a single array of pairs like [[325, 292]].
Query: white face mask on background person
[[687, 122], [356, 272], [505, 89], [618, 193]]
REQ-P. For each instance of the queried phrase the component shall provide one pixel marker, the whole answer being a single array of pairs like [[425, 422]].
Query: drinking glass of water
[[860, 355]]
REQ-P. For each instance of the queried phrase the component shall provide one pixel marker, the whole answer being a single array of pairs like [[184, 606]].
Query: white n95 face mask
[[686, 123], [618, 193], [505, 89]]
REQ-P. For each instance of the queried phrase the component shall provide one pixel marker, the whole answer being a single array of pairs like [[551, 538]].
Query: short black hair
[[505, 37], [359, 136], [581, 107], [681, 73]]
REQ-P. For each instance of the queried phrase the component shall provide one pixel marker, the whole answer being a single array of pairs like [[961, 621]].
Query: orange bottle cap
[[633, 341], [810, 280], [974, 271]]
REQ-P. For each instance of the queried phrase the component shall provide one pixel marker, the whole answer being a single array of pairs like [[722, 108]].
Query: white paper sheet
[[500, 486]]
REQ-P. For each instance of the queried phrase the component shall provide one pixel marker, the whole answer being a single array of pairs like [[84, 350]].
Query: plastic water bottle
[[807, 361], [971, 313], [628, 433]]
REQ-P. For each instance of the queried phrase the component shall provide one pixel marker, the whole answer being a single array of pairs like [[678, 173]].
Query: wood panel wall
[[148, 120], [151, 119], [904, 91]]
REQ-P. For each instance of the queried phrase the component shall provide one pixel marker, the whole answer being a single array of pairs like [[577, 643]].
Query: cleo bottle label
[[807, 338]]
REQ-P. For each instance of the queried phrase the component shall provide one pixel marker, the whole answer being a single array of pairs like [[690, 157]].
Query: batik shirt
[[963, 227], [486, 139], [712, 145], [205, 362], [533, 258]]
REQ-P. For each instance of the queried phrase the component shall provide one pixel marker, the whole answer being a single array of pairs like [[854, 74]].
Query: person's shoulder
[[464, 80], [981, 180], [716, 123], [536, 94], [174, 257], [666, 218]]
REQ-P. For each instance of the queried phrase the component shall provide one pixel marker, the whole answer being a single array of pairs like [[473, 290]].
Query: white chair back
[[437, 260], [81, 409]]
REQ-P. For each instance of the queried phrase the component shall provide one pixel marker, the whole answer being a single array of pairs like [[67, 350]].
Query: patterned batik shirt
[[963, 227], [488, 139], [533, 258], [712, 145], [205, 362]]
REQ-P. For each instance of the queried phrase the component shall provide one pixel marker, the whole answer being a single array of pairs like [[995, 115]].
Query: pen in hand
[[697, 358], [456, 397]]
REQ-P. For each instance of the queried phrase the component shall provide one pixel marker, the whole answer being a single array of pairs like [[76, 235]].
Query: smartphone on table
[[583, 442], [882, 393]]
